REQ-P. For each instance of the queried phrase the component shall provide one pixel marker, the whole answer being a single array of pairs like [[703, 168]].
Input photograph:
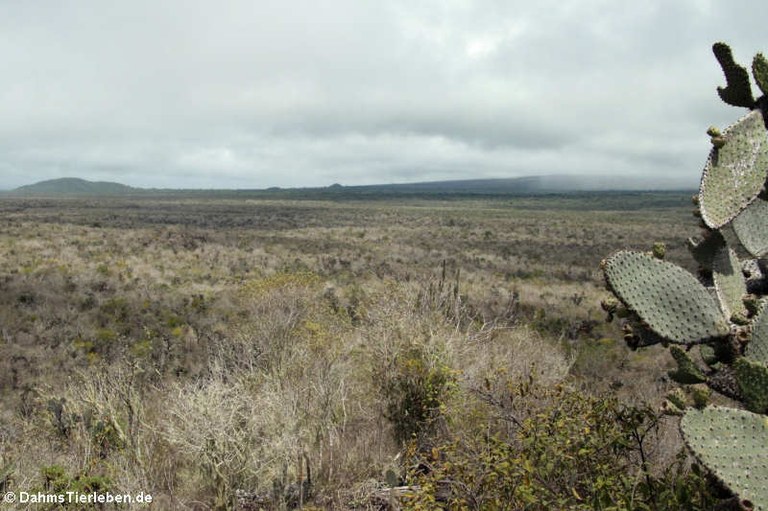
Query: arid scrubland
[[210, 352]]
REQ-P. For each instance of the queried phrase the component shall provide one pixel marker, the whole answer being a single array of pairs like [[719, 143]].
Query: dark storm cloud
[[254, 94]]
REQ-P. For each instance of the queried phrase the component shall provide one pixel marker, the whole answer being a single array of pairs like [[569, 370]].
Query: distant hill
[[72, 186], [520, 186]]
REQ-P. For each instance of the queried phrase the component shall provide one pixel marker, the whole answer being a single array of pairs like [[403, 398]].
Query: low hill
[[73, 187], [518, 186]]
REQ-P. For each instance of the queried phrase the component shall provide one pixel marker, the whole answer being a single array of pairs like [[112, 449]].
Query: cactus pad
[[733, 444], [678, 398], [729, 282], [669, 299], [751, 227], [687, 372], [760, 72], [752, 378], [735, 173], [757, 349], [737, 91]]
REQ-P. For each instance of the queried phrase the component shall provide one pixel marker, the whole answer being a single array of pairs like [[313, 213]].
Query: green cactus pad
[[760, 72], [700, 395], [752, 378], [751, 227], [735, 173], [738, 92], [687, 373], [757, 349], [733, 444], [729, 282], [678, 398], [669, 299]]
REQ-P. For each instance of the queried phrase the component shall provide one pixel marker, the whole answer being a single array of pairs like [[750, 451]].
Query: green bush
[[415, 390], [569, 451]]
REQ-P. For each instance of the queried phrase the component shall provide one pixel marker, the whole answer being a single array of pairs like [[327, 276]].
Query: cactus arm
[[760, 72], [737, 91]]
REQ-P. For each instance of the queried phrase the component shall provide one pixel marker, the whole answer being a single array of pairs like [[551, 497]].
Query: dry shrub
[[100, 424], [232, 434], [276, 389], [519, 352]]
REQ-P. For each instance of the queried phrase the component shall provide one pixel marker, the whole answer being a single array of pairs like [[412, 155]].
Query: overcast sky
[[253, 94]]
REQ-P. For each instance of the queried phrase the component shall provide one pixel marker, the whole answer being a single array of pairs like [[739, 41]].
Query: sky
[[256, 94]]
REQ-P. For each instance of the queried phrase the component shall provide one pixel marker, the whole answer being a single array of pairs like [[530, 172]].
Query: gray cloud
[[256, 93]]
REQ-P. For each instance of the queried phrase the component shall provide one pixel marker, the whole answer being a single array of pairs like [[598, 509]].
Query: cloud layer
[[252, 94]]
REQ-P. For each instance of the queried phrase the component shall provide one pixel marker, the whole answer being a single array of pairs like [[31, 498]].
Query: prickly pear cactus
[[724, 309]]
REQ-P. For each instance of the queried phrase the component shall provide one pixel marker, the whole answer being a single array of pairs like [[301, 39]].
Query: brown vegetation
[[202, 350]]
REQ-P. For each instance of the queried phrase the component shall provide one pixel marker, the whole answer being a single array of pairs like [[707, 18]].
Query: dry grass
[[195, 348]]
